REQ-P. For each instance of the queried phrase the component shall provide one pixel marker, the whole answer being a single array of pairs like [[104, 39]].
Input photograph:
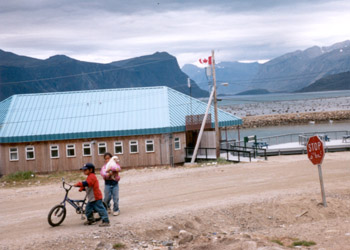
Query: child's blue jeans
[[112, 191], [99, 208]]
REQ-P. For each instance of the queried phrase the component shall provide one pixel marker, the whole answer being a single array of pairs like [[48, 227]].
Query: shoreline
[[294, 118]]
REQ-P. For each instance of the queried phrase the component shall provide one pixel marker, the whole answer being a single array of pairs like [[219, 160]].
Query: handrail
[[346, 132], [239, 153], [254, 149]]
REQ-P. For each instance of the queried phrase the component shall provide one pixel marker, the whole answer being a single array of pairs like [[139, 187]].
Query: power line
[[236, 82], [263, 80], [101, 114], [88, 73], [85, 102]]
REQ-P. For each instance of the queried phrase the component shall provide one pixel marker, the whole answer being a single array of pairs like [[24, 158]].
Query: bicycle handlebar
[[64, 183]]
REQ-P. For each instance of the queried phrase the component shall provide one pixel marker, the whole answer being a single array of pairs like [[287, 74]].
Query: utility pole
[[189, 85], [194, 155], [217, 131]]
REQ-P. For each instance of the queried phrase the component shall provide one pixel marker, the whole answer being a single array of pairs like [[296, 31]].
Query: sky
[[112, 30]]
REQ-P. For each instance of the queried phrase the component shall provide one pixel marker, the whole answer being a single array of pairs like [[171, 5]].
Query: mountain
[[20, 74], [296, 70], [339, 81], [238, 75]]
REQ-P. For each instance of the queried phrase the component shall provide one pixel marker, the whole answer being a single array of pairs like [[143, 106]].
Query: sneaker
[[90, 222], [98, 218], [116, 213], [104, 224]]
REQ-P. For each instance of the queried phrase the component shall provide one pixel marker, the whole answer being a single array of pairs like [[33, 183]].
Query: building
[[61, 131]]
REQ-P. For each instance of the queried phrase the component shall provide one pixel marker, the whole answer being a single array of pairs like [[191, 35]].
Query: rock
[[270, 248], [185, 237], [245, 235], [249, 245], [103, 246], [167, 243], [99, 245]]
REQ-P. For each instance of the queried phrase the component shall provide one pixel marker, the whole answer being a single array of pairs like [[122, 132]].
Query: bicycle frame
[[74, 203]]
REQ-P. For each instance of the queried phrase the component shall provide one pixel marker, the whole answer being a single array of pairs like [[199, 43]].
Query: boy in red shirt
[[94, 196]]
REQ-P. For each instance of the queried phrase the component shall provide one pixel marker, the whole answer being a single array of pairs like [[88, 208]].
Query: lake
[[243, 99], [305, 128]]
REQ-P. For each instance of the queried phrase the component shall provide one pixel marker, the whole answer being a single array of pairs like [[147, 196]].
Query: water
[[290, 129], [231, 100]]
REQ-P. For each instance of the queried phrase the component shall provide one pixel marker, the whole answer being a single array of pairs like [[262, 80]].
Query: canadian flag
[[205, 60]]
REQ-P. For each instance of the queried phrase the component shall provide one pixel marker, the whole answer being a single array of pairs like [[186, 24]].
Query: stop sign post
[[315, 153]]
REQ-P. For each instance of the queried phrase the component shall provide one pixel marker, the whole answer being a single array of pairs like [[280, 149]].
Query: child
[[111, 177], [94, 195]]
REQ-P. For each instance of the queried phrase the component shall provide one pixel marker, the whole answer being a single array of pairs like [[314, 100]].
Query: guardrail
[[295, 137], [210, 154], [232, 150], [255, 151]]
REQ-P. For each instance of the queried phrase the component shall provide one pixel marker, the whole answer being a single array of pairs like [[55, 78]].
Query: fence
[[233, 153], [300, 137]]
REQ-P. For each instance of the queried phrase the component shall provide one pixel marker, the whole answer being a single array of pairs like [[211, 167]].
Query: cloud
[[105, 31]]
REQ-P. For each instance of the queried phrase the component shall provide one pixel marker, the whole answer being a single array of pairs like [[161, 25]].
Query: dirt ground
[[265, 205]]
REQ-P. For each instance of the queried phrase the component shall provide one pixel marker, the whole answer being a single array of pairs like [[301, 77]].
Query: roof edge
[[85, 135], [90, 90]]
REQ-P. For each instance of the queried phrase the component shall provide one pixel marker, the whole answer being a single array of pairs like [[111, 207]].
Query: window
[[133, 147], [102, 148], [70, 150], [149, 146], [86, 149], [118, 147], [177, 143], [30, 154], [13, 154], [54, 151]]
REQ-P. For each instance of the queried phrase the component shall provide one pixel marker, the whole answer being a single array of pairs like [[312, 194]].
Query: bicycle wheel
[[57, 215]]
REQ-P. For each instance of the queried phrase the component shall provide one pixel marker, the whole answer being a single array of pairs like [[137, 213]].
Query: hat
[[88, 166]]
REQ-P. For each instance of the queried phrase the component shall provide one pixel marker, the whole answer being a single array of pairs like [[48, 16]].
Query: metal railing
[[203, 153], [255, 151], [300, 137], [235, 152], [231, 152]]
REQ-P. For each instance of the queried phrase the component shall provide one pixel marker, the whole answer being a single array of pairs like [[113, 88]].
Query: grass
[[27, 178], [278, 242], [118, 246], [303, 243], [222, 161], [68, 176], [19, 176]]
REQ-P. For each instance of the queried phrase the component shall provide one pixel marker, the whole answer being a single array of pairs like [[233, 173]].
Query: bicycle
[[58, 213]]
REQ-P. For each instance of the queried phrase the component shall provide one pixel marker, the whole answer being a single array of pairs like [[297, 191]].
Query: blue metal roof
[[99, 113], [4, 107]]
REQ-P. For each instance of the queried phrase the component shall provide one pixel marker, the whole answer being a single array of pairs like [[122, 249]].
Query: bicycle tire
[[58, 211]]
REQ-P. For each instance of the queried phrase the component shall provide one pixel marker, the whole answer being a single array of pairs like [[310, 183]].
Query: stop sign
[[315, 150]]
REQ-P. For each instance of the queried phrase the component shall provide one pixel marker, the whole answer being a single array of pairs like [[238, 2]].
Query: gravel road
[[236, 206]]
